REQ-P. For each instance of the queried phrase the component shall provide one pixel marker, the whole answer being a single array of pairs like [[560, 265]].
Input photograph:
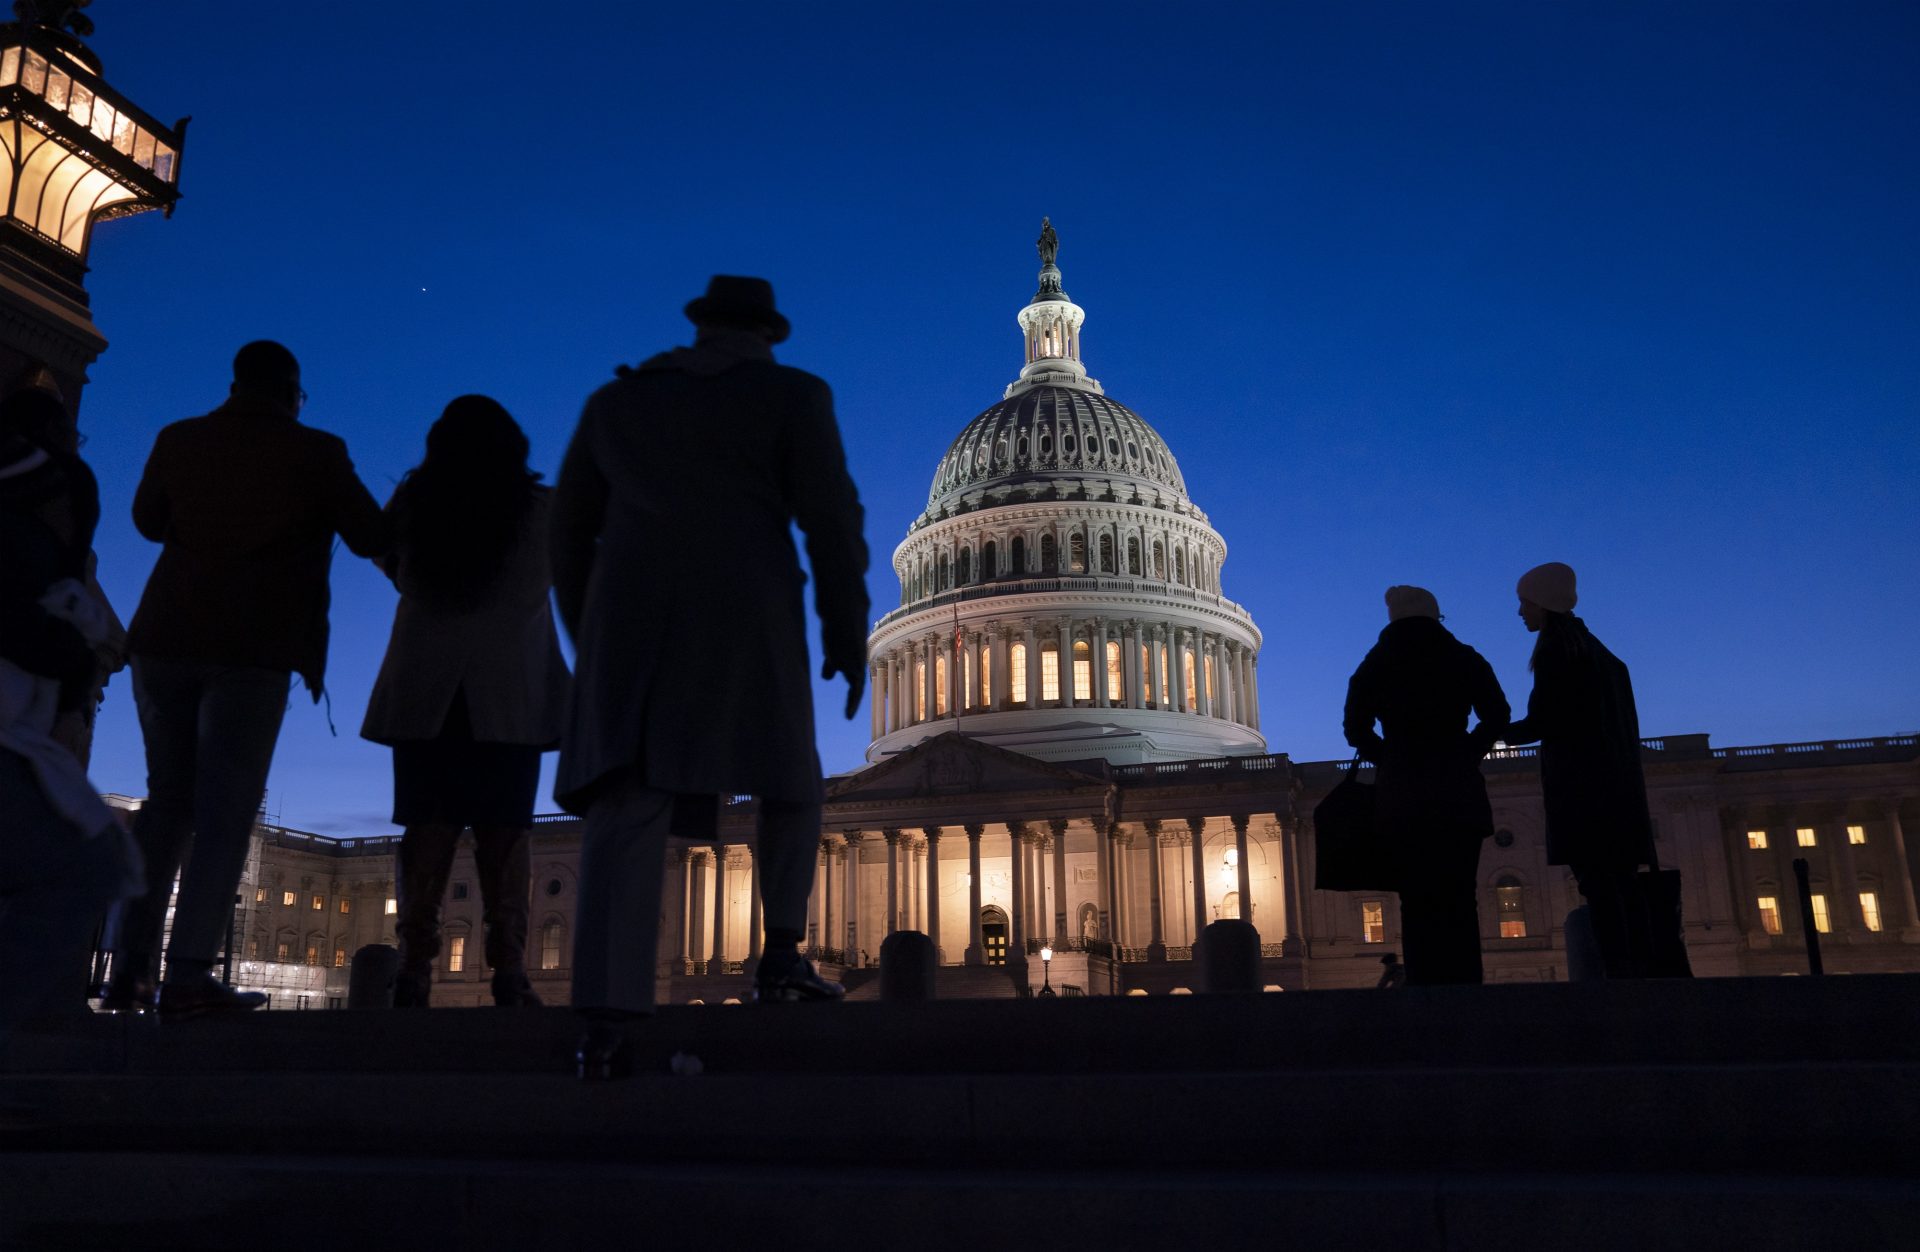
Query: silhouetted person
[[676, 575], [63, 855], [245, 503], [473, 688], [1595, 795], [40, 417], [1420, 683], [1392, 973]]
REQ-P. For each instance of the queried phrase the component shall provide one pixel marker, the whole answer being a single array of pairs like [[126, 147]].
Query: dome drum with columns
[[1061, 595]]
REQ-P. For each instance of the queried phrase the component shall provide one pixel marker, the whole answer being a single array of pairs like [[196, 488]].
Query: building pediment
[[955, 765]]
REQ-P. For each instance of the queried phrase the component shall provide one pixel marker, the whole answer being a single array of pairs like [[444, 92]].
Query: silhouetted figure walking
[[63, 855], [472, 689], [1420, 683], [1595, 794], [245, 502], [1393, 974], [676, 575]]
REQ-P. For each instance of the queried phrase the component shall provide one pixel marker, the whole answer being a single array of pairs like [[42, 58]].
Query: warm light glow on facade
[[1770, 914], [1870, 909], [1856, 834], [1822, 919], [1804, 837], [1757, 839], [1373, 921]]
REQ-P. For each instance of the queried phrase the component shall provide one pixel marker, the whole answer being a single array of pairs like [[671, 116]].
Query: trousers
[[426, 862], [1440, 912], [623, 866]]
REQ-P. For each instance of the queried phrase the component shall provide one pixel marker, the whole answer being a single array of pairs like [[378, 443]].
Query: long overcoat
[[676, 575], [1420, 683], [502, 651], [1594, 790]]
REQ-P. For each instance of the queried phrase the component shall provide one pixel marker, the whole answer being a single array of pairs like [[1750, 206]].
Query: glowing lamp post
[[73, 152], [1046, 972]]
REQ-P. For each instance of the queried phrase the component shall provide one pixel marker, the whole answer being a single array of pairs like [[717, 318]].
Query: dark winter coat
[[246, 502], [1420, 683], [1583, 714], [676, 575], [34, 556]]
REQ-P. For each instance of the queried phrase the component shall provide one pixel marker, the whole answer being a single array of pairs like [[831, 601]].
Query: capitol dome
[[1060, 595]]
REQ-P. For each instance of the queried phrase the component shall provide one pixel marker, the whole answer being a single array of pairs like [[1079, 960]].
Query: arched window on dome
[[919, 691], [1000, 451], [1076, 553], [966, 566], [940, 573], [1050, 672], [1159, 561], [1048, 563], [1179, 565], [1133, 555], [1146, 675], [1510, 903], [1082, 670], [1017, 555], [1186, 674], [940, 683], [1116, 681], [989, 560], [1106, 554], [1017, 673], [1213, 696], [986, 678]]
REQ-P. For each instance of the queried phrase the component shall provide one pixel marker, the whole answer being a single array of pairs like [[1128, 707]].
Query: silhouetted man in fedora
[[676, 575]]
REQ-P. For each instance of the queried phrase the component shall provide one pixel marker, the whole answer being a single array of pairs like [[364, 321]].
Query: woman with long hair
[[473, 687]]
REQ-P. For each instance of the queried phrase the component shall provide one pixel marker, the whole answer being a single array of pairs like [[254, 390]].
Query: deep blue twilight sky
[[1416, 292]]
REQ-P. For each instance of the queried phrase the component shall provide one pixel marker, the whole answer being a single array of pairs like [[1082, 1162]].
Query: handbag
[[1350, 851], [1657, 898]]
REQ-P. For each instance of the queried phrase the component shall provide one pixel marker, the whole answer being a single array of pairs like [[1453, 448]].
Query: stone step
[[52, 1200], [1682, 1022]]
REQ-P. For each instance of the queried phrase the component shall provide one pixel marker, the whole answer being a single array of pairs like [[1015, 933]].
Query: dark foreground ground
[[1752, 1114]]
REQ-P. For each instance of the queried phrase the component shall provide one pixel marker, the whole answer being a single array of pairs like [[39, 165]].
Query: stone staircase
[[951, 982], [1757, 1113]]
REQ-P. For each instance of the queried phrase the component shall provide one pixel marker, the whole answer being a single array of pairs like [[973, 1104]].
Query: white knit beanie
[[1411, 602], [1550, 586]]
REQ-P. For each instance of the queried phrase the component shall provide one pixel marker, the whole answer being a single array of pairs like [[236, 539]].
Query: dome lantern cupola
[[1051, 324]]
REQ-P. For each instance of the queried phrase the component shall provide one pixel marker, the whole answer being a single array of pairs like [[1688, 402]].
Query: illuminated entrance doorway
[[993, 934]]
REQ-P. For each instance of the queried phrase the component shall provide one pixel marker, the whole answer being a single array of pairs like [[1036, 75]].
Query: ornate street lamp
[[1046, 972], [73, 152]]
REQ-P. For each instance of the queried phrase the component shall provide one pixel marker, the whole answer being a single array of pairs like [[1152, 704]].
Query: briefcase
[[1350, 851], [1657, 895]]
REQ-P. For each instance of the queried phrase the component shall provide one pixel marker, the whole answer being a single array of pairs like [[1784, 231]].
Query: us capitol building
[[1066, 755]]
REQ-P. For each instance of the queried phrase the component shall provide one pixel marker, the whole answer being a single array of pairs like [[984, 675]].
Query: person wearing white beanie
[[1420, 685], [1582, 713]]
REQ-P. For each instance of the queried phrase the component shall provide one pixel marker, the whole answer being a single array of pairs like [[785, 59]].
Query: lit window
[[1082, 670], [1770, 914], [259, 895], [1049, 672], [1756, 839], [986, 678], [1146, 676], [319, 904], [550, 946], [393, 906], [1870, 909], [286, 899], [1017, 670], [967, 686], [1077, 553], [1116, 682], [1160, 669], [456, 954], [1373, 921], [1509, 899], [459, 891], [919, 691], [313, 954], [1212, 698], [253, 948], [339, 958], [1193, 697], [281, 949], [1856, 834], [940, 685], [1804, 836], [1822, 921], [346, 905]]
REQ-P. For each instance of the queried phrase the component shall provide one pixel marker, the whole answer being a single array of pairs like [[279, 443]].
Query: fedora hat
[[732, 301]]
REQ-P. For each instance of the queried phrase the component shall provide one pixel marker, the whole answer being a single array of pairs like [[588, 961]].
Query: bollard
[[906, 966], [370, 978], [1583, 948], [1230, 956]]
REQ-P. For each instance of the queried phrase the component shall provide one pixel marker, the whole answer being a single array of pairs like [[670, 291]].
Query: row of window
[[1509, 902], [931, 576], [1771, 922], [976, 691], [1805, 837], [318, 903]]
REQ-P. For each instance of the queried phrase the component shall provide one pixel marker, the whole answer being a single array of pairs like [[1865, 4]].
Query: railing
[[1273, 949], [1824, 745], [1116, 584], [1208, 770]]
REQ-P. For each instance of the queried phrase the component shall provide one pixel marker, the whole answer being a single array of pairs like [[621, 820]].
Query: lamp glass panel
[[9, 67], [34, 78], [102, 121], [143, 149], [123, 129], [58, 87], [80, 105], [163, 161]]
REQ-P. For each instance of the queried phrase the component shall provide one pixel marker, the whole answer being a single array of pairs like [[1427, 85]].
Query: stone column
[[854, 839], [1124, 926], [753, 903], [1156, 941], [1198, 826], [893, 879], [1253, 688], [975, 699], [1202, 662], [716, 963], [1002, 675], [1903, 870], [1130, 663], [1239, 821], [1101, 696], [1017, 924], [830, 935], [816, 914], [928, 652], [1103, 870], [1060, 932], [1069, 692], [976, 945], [1293, 907], [933, 889], [1177, 677], [1849, 918], [1244, 697], [1033, 665], [685, 955]]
